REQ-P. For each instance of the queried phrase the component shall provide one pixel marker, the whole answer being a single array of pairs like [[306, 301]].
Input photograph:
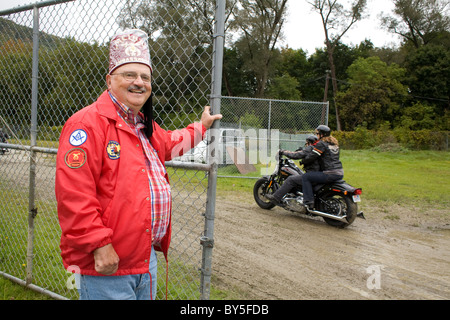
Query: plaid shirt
[[160, 194]]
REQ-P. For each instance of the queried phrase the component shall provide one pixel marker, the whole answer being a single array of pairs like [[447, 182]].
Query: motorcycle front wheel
[[339, 205], [262, 188]]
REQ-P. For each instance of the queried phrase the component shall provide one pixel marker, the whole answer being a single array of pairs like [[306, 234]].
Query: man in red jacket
[[112, 188]]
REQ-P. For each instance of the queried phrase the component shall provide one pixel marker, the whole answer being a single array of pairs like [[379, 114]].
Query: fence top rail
[[28, 148], [40, 4], [173, 164], [276, 100]]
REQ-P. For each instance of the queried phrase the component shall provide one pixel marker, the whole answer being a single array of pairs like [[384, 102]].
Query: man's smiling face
[[132, 93]]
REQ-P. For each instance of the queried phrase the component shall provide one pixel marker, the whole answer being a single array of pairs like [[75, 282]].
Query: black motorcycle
[[336, 202]]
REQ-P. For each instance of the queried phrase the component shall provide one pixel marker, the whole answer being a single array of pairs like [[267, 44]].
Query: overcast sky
[[304, 27]]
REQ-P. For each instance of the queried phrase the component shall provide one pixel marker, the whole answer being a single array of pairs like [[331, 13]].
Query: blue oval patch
[[78, 137], [113, 150]]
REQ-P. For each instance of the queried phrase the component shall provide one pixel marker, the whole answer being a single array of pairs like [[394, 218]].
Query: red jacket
[[102, 188]]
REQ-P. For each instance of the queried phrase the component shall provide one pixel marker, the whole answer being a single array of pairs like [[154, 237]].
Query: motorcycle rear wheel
[[339, 205], [260, 190]]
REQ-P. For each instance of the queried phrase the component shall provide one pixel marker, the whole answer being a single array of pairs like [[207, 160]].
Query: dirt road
[[396, 253]]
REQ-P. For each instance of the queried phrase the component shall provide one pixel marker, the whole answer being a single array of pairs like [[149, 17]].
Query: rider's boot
[[309, 205], [273, 199]]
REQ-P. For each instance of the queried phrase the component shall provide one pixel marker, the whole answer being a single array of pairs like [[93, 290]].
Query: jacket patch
[[78, 137], [334, 149], [75, 158], [113, 150]]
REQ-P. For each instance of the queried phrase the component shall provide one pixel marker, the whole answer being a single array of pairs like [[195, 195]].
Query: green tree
[[417, 117], [292, 62], [260, 23], [250, 120], [418, 21], [313, 80], [428, 80], [238, 81], [374, 96], [72, 76], [15, 82], [284, 88], [336, 21]]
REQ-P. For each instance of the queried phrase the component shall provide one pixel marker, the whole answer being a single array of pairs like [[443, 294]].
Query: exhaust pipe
[[327, 215], [318, 213]]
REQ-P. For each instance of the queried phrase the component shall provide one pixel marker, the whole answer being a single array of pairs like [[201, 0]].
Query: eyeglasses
[[132, 76]]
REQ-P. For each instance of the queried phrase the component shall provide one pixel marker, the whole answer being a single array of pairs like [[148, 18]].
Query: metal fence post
[[208, 238], [32, 210]]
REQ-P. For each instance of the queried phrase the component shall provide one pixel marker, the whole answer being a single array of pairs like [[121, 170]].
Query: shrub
[[363, 138]]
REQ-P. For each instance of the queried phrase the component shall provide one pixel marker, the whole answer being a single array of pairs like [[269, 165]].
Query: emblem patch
[[113, 150], [334, 149], [75, 158], [78, 137]]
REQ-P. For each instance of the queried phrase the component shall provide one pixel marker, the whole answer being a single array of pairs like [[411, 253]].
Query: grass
[[12, 291], [401, 177], [396, 177]]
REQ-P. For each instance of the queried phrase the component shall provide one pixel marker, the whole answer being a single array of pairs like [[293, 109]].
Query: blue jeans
[[290, 183], [315, 177], [130, 287]]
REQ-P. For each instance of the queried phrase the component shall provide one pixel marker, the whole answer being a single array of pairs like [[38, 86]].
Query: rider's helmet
[[323, 130], [311, 139]]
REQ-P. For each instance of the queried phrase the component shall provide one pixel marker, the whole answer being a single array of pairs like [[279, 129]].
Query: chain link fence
[[292, 121], [53, 61], [253, 130]]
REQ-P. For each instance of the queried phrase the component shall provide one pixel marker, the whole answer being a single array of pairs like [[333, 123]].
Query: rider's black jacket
[[328, 156], [302, 154]]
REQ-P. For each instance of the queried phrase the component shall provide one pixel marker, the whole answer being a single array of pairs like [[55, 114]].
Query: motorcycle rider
[[295, 180], [327, 152]]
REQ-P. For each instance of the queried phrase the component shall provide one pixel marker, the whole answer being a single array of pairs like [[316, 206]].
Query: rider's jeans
[[130, 287], [287, 186], [315, 177]]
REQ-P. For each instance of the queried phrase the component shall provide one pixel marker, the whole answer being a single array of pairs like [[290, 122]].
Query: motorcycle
[[3, 139], [336, 202]]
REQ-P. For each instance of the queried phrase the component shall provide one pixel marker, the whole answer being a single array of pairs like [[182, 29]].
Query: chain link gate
[[53, 61], [253, 130], [293, 121]]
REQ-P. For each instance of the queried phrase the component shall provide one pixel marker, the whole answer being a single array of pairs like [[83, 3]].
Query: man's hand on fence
[[208, 119]]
